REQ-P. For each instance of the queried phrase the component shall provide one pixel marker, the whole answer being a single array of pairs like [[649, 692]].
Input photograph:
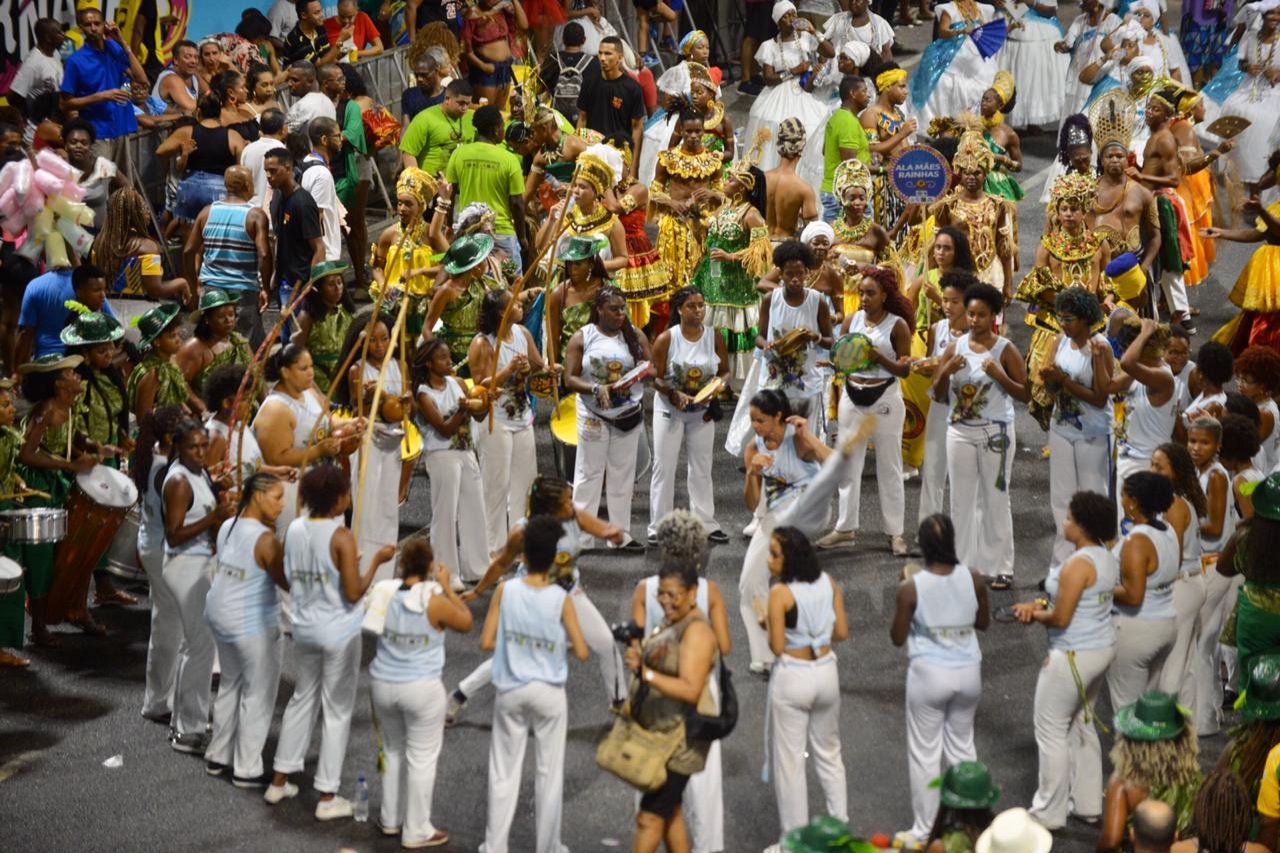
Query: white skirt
[[961, 86], [1039, 72], [775, 105], [1260, 104]]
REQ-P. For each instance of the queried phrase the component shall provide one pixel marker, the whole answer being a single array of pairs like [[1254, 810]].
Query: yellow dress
[[420, 255]]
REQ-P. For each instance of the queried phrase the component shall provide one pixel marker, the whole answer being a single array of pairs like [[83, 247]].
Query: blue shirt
[[414, 101], [44, 309], [88, 71]]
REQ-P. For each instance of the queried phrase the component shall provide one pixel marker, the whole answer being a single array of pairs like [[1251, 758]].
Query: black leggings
[[664, 801]]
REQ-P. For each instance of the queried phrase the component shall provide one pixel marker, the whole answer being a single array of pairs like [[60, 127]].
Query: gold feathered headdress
[[417, 183], [601, 166], [1112, 117], [1003, 86], [740, 171], [851, 174], [1076, 189], [972, 152]]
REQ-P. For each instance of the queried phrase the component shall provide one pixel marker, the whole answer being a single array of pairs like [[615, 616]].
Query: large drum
[[122, 556], [34, 526], [97, 507], [10, 576]]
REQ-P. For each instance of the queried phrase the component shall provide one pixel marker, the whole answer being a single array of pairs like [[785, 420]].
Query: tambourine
[[790, 341], [706, 392], [541, 384], [851, 353]]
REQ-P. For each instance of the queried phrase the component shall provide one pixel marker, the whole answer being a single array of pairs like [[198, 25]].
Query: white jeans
[[188, 581], [380, 502], [603, 448], [704, 805], [166, 637], [1174, 286], [933, 470], [1070, 753], [508, 466], [1142, 645], [411, 718], [669, 432], [457, 513], [1075, 465], [1220, 597], [246, 701], [983, 519], [889, 413], [1178, 678], [326, 679], [804, 704], [941, 703], [541, 708]]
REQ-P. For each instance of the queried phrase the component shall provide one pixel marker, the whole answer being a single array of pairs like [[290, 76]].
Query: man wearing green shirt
[[436, 131], [487, 171], [844, 139]]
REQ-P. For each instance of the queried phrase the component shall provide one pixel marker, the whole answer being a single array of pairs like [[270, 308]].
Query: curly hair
[[792, 250], [1215, 363], [894, 301], [984, 292], [1152, 493], [1078, 302], [1095, 514], [1240, 440], [1186, 479], [1262, 365], [323, 487], [547, 495], [960, 242], [416, 556], [682, 538], [799, 559], [1159, 763], [1155, 344]]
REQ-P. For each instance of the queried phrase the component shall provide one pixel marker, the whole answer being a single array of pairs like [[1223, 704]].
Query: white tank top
[[976, 398], [321, 615], [942, 337], [1269, 452], [305, 413], [409, 648], [203, 502], [942, 627], [242, 600], [1145, 426], [690, 365], [1214, 544], [653, 612], [796, 374], [531, 642], [1091, 626], [251, 458], [788, 475], [151, 524], [1073, 417], [511, 408], [1157, 602], [881, 336], [392, 382], [1190, 541], [815, 614], [446, 400], [605, 360]]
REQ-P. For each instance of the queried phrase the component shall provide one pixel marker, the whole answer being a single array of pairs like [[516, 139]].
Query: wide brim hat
[[1155, 716], [1261, 699], [91, 328], [967, 785], [211, 299], [326, 268], [153, 323], [467, 253], [51, 363], [582, 248], [1265, 495], [1014, 831]]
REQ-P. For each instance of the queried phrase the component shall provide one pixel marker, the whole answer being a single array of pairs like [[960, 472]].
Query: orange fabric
[[1196, 192]]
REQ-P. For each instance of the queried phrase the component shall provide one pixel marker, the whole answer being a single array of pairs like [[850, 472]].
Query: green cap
[[967, 785], [467, 253], [91, 328], [327, 268], [1261, 699], [582, 248], [211, 299], [1266, 496], [824, 833], [1155, 716], [153, 323]]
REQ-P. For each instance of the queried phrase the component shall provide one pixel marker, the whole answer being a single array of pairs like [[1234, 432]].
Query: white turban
[[1131, 31], [859, 52], [815, 229], [1151, 6], [1262, 7], [781, 8]]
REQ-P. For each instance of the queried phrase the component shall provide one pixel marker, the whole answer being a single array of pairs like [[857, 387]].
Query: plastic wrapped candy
[[47, 202]]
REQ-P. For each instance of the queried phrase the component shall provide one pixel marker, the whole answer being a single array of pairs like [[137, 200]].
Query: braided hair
[[1222, 814], [256, 484], [127, 219]]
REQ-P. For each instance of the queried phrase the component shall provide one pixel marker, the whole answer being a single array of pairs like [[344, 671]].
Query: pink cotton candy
[[56, 166], [48, 183], [73, 191], [22, 176]]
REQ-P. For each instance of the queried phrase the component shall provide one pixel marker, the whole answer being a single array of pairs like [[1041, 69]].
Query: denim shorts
[[196, 191], [501, 75]]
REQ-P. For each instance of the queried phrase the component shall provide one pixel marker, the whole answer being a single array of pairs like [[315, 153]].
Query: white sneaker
[[836, 538], [456, 584], [457, 705], [335, 809], [750, 529], [276, 793], [907, 840]]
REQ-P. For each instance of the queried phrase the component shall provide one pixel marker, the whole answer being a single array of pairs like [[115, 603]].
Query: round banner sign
[[919, 174]]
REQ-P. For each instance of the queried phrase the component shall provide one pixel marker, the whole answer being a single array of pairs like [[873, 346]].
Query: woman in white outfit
[[1257, 97], [979, 377], [884, 318], [408, 695], [508, 458], [1165, 51], [553, 497], [682, 541], [1148, 388], [954, 323], [938, 609], [325, 585], [243, 612], [952, 74], [1150, 560], [457, 497], [1083, 43], [191, 514], [795, 306], [806, 615], [1029, 54], [686, 357], [220, 390], [609, 419], [1077, 614], [1079, 377]]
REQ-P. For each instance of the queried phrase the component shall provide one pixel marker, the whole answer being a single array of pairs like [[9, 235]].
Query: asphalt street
[[78, 706]]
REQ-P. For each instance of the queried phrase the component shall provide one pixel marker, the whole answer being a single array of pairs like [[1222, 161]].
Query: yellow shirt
[[1269, 791]]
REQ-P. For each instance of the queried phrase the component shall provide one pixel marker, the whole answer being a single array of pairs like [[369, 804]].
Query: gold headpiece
[[941, 127], [885, 79], [601, 166], [699, 74], [972, 152], [1168, 93], [1112, 117], [850, 175], [1078, 190], [1003, 86], [1187, 102], [418, 183], [740, 171]]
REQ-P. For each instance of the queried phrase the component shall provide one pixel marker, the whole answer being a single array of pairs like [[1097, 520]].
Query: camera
[[625, 632]]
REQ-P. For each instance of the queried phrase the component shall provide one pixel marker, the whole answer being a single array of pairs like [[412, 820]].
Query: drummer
[[157, 380], [12, 614], [51, 455]]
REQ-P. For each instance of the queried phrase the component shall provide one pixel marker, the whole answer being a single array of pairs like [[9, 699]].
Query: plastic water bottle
[[362, 800]]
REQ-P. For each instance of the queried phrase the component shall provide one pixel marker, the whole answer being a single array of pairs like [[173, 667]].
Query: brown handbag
[[639, 756]]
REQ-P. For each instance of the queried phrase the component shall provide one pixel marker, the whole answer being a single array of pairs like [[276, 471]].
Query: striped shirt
[[230, 257]]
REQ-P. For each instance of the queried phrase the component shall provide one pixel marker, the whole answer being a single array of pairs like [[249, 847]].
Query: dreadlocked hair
[[1246, 754], [971, 822], [354, 340], [156, 427], [1159, 763], [1186, 479], [1222, 814], [547, 495], [127, 219], [629, 334]]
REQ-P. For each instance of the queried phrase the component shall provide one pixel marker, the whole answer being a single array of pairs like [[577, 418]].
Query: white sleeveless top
[[321, 615], [1073, 417], [250, 458], [531, 637], [386, 435], [1157, 602], [881, 336], [511, 408], [305, 412], [942, 627], [1145, 426], [203, 502], [1269, 452], [446, 400], [690, 366], [409, 648], [242, 600], [796, 374], [1190, 564], [151, 524], [1091, 626], [788, 475], [1214, 544], [815, 614], [942, 337], [653, 612], [605, 360], [976, 398]]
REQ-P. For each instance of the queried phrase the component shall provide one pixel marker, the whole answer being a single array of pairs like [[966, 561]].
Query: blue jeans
[[830, 207], [511, 245], [196, 191]]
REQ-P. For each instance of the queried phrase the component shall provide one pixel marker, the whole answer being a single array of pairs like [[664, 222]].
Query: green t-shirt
[[490, 173], [432, 136], [843, 131]]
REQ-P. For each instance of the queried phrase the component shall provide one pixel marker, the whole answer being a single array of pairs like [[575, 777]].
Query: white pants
[[541, 708], [804, 704], [941, 703], [704, 805], [1220, 597], [983, 519], [1126, 465], [457, 513], [603, 448], [380, 502], [889, 413], [933, 470], [670, 430], [1070, 753], [411, 718], [599, 637], [1175, 292], [508, 466], [246, 701], [1178, 678], [1075, 465], [188, 581], [166, 637], [326, 680], [1142, 645]]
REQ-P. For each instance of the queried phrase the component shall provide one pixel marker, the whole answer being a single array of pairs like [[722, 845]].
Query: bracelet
[[647, 675], [536, 170]]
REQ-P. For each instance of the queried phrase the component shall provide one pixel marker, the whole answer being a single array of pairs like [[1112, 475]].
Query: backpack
[[569, 85]]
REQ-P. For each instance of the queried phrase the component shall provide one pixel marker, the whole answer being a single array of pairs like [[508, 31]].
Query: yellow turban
[[1003, 86], [417, 183], [885, 79]]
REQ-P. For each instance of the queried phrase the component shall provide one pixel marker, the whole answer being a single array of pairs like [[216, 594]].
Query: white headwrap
[[859, 52], [1131, 31], [1150, 6], [781, 8], [1140, 62], [1260, 8], [817, 228]]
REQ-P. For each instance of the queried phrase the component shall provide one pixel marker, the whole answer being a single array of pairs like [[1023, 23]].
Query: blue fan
[[989, 37]]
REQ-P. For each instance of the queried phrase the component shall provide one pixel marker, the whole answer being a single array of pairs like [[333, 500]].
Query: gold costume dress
[[991, 224], [680, 238]]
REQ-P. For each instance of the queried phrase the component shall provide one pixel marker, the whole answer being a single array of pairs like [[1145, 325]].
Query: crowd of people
[[574, 234]]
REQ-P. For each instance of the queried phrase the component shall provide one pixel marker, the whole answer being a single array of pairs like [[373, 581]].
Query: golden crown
[[1112, 117]]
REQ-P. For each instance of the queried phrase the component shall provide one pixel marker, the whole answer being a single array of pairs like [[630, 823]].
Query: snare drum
[[564, 435], [122, 556], [96, 509], [34, 526], [10, 576]]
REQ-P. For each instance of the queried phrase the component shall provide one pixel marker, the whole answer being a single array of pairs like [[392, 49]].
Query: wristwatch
[[648, 676]]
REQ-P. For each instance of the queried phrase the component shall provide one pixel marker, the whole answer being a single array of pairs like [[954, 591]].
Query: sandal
[[10, 659], [88, 626], [1000, 583], [114, 596], [44, 640]]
